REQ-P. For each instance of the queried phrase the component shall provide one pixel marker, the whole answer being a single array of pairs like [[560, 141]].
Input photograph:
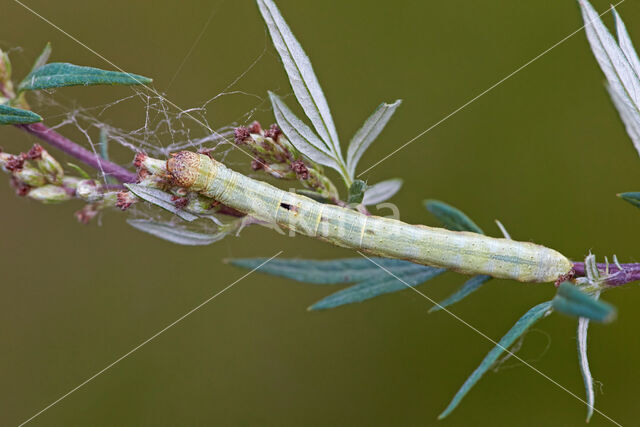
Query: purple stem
[[85, 156], [617, 277]]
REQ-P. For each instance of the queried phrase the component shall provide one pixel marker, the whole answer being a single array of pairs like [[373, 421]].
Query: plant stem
[[617, 276], [82, 154]]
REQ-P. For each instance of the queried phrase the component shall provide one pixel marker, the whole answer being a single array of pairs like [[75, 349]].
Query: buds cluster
[[274, 154], [39, 176]]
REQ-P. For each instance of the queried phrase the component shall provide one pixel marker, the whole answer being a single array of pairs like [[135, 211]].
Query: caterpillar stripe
[[464, 252]]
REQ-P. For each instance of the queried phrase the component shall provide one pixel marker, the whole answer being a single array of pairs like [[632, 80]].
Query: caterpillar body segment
[[464, 252]]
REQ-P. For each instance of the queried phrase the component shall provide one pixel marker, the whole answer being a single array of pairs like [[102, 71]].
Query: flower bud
[[49, 194], [49, 166], [124, 199], [89, 190], [30, 176]]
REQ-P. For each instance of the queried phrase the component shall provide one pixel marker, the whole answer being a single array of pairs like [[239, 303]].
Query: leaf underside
[[175, 233]]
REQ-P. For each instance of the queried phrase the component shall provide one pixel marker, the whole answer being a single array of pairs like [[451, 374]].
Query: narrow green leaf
[[469, 287], [572, 301], [450, 217], [524, 323], [59, 74], [16, 116], [80, 171], [160, 199], [175, 233], [356, 192], [42, 58], [382, 283], [631, 197], [346, 270]]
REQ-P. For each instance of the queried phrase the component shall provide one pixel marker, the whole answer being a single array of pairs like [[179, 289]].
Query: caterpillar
[[464, 252]]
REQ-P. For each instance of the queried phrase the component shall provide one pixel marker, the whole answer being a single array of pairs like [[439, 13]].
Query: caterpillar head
[[184, 167]]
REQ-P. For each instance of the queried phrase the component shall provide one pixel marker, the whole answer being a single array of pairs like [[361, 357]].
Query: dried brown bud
[[35, 152], [14, 163], [255, 128], [274, 132], [180, 202], [300, 169], [138, 161], [124, 200], [241, 134]]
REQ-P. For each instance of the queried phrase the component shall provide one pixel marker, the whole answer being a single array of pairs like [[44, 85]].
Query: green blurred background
[[544, 152]]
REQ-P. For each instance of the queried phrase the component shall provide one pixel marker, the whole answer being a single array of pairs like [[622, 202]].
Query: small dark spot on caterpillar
[[289, 207], [369, 232]]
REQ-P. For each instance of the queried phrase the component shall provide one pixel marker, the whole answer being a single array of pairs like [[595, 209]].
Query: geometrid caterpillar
[[464, 252]]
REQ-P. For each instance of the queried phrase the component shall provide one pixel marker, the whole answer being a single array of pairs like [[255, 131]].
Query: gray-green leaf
[[380, 284], [330, 272], [175, 233], [60, 74], [368, 133], [631, 197], [160, 199], [372, 279], [524, 323], [451, 218], [17, 116], [301, 75], [572, 301]]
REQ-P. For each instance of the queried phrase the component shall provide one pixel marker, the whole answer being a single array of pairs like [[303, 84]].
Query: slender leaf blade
[[465, 290], [17, 116], [625, 43], [452, 218], [175, 233], [161, 199], [61, 74], [301, 75], [631, 197], [42, 58], [330, 272], [630, 117], [583, 325], [300, 135], [368, 133], [524, 323], [381, 284], [384, 190], [613, 62]]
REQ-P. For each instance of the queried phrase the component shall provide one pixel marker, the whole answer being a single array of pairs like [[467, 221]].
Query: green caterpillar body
[[464, 252]]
